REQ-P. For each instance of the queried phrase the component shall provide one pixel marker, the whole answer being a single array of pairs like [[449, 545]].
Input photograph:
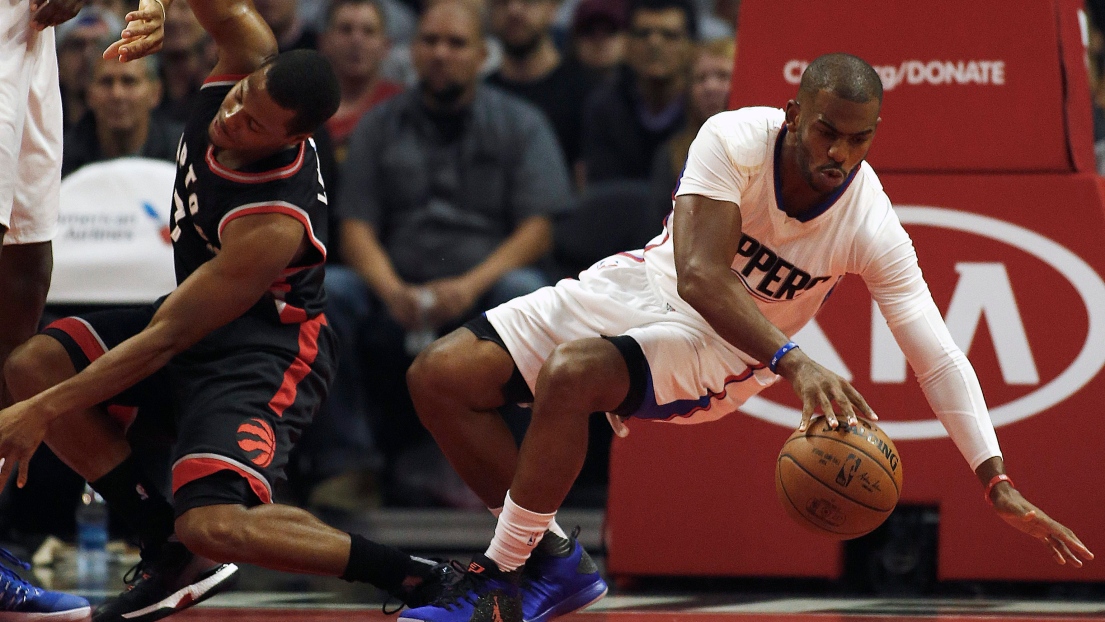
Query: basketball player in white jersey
[[774, 207]]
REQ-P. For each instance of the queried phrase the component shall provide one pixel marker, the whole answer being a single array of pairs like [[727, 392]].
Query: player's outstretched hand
[[143, 35], [46, 13], [821, 389], [21, 432], [1014, 509]]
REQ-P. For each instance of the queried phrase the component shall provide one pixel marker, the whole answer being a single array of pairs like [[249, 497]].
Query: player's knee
[[458, 369], [578, 373], [217, 532], [428, 369], [38, 364]]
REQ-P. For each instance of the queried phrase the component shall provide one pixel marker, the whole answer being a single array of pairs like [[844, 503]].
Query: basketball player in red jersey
[[232, 364]]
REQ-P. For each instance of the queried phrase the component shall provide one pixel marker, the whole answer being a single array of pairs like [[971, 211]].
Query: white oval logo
[[1085, 366]]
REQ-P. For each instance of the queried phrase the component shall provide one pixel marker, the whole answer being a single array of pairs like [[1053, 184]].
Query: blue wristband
[[774, 363]]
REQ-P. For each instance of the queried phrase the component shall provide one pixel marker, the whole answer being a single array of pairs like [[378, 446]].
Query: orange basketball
[[842, 483]]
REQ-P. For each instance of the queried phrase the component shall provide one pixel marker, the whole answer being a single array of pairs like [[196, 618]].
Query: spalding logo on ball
[[842, 483]]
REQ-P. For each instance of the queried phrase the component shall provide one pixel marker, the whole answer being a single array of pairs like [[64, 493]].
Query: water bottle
[[419, 338], [92, 558]]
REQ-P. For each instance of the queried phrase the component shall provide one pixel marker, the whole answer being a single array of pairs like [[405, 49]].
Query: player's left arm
[[951, 385], [255, 251]]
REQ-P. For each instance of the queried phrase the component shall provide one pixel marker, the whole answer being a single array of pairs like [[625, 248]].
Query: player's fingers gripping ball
[[842, 483]]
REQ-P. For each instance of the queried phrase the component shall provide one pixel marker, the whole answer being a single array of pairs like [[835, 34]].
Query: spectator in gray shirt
[[447, 196]]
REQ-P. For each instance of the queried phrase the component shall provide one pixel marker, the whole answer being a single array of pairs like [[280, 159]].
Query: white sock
[[557, 529], [516, 533], [553, 526]]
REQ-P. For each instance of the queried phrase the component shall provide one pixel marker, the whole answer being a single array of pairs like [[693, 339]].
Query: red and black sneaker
[[482, 594], [164, 583]]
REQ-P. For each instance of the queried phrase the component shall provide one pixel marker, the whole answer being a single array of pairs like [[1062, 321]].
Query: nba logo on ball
[[842, 483]]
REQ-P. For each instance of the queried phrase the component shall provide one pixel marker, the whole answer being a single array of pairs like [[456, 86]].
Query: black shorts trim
[[637, 365], [515, 391]]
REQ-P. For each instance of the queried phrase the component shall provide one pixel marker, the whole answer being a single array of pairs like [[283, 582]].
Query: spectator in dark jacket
[[627, 119]]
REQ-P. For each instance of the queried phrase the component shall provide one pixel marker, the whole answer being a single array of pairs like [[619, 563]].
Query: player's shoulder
[[748, 134], [869, 205], [868, 188]]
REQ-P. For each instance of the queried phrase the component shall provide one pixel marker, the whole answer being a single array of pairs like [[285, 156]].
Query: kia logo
[[1086, 364]]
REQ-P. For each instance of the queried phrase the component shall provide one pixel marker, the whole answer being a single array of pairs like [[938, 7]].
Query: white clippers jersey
[[791, 265]]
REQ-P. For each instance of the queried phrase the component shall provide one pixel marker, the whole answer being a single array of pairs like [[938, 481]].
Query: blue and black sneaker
[[559, 578], [483, 593], [22, 602]]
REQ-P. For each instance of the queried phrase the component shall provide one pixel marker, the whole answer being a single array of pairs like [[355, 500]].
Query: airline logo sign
[[1041, 306], [919, 72]]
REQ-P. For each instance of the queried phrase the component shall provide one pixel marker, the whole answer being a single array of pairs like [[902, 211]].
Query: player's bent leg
[[286, 538], [579, 377], [24, 280], [456, 384], [43, 362], [274, 536]]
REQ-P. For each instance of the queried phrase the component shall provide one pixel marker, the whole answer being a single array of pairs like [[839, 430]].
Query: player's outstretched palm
[[822, 389], [1065, 547], [143, 35]]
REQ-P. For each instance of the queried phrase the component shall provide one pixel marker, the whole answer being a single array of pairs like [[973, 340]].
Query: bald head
[[846, 76]]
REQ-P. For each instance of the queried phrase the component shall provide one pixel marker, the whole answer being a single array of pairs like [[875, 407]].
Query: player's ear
[[792, 109]]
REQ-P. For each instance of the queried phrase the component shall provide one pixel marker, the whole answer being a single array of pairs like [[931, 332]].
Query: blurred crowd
[[482, 149]]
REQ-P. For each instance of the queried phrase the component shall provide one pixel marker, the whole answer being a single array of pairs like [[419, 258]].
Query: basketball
[[841, 483]]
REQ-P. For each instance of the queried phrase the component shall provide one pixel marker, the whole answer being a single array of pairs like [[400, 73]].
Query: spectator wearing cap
[[598, 37], [534, 69], [78, 48], [121, 120], [628, 118]]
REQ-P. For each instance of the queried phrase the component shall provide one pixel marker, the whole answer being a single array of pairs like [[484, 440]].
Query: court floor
[[313, 607]]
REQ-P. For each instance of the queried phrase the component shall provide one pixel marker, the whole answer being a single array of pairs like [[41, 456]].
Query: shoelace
[[15, 590], [462, 589], [447, 576], [136, 571]]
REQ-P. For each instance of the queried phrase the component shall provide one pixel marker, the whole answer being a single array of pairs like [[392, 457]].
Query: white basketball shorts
[[693, 374], [30, 128]]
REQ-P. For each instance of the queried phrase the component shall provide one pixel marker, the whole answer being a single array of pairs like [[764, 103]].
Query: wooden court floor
[[311, 607]]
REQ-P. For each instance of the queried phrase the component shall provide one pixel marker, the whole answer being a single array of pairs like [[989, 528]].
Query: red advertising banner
[[968, 86]]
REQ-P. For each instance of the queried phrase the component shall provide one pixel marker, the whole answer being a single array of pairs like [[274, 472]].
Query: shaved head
[[846, 76]]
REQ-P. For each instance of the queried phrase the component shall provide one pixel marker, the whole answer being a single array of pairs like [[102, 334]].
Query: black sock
[[138, 503], [385, 567]]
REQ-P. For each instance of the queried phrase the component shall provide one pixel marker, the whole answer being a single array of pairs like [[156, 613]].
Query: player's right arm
[[706, 231], [705, 235], [244, 40], [255, 251]]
